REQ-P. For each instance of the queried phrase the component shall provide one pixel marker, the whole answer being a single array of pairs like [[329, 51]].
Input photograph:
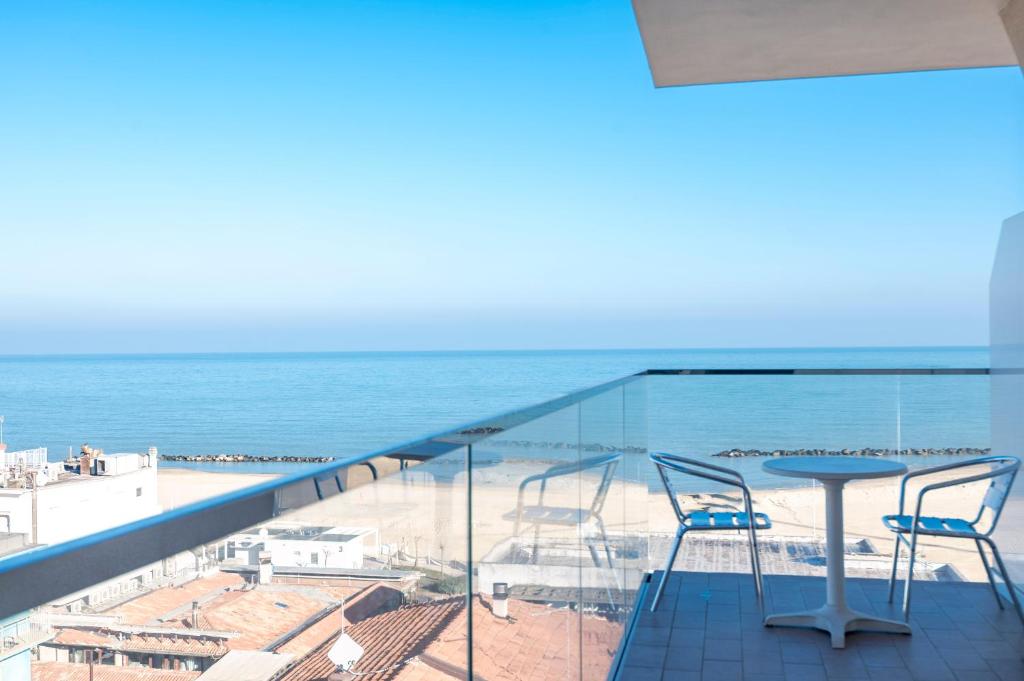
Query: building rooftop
[[68, 671], [246, 665], [428, 641], [266, 613], [151, 607], [388, 639], [183, 643], [316, 533]]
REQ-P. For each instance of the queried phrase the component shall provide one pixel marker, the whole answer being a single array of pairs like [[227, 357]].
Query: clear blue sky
[[397, 175]]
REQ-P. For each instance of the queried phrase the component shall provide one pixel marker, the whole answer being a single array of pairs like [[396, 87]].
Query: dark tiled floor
[[708, 628]]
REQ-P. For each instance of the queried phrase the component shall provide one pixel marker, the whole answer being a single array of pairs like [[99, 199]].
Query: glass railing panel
[[338, 577], [543, 521], [636, 499], [946, 420], [606, 544], [526, 549]]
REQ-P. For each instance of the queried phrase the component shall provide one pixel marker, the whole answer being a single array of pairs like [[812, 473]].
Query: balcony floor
[[708, 628]]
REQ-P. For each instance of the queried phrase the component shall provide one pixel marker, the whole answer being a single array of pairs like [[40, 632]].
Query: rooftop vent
[[499, 603]]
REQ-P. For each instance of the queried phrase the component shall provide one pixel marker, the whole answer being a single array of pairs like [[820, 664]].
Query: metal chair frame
[[1002, 474], [609, 462], [726, 476]]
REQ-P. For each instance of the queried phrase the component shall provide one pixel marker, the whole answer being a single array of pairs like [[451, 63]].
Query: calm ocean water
[[348, 403]]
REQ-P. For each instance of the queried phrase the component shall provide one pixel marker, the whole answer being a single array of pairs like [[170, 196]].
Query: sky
[[277, 176]]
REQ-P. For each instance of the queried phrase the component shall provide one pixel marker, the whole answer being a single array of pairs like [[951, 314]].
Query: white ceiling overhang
[[691, 42]]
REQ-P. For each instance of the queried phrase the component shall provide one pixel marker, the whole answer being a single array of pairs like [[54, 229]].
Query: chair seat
[[701, 520], [945, 527], [552, 515]]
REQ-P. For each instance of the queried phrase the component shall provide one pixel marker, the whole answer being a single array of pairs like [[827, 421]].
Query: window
[[138, 491], [314, 558]]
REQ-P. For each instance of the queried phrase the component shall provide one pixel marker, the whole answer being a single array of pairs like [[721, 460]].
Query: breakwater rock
[[866, 451], [244, 458], [543, 444]]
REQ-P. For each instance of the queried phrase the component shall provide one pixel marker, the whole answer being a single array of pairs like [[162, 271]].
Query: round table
[[833, 472]]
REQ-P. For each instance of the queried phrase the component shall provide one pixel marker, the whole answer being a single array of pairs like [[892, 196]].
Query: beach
[[423, 517], [180, 486]]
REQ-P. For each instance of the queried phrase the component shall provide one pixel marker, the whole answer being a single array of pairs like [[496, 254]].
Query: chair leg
[[604, 538], [895, 562], [988, 573], [1006, 579], [755, 567], [593, 554], [910, 577], [668, 567]]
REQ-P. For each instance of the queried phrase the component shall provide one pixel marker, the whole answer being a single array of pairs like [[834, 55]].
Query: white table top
[[833, 467]]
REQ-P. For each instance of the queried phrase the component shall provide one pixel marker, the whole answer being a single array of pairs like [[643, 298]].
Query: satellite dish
[[345, 652]]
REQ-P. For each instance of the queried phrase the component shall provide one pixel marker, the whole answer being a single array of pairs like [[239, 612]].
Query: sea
[[346, 403]]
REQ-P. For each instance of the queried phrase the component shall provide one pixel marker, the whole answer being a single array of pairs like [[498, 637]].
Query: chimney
[[195, 614], [265, 569], [499, 602]]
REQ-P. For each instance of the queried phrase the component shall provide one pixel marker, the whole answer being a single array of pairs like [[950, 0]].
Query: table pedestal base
[[837, 621]]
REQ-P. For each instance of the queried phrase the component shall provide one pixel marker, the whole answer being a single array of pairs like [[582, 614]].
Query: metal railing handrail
[[40, 575], [964, 371]]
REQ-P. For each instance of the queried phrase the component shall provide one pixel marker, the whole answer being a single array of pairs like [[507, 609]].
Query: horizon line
[[479, 351]]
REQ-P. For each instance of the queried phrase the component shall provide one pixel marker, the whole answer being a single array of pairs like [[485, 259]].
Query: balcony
[[523, 547]]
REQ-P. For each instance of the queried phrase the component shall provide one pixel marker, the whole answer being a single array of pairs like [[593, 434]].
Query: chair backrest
[[1004, 472], [693, 467], [607, 463]]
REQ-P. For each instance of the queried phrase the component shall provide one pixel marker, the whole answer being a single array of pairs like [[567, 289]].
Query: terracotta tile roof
[[312, 636], [165, 644], [537, 642], [148, 608], [369, 601], [67, 671], [81, 637], [156, 643], [428, 642], [258, 617], [387, 639]]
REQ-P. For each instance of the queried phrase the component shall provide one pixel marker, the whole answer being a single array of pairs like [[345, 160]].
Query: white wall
[[1006, 319], [78, 507], [297, 553]]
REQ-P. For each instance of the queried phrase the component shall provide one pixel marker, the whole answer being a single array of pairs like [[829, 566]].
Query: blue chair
[[703, 521], [1002, 472]]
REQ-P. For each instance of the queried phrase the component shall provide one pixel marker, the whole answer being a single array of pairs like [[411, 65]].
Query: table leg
[[835, 545], [835, 616]]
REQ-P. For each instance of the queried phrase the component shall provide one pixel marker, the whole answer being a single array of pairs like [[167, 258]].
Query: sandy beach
[[418, 515], [181, 486]]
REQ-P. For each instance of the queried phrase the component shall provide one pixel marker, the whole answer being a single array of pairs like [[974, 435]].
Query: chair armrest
[[947, 483], [732, 483], [708, 471], [948, 467], [562, 469], [695, 462]]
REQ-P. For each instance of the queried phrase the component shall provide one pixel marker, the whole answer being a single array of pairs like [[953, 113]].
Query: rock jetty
[[586, 447], [866, 451], [244, 458]]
